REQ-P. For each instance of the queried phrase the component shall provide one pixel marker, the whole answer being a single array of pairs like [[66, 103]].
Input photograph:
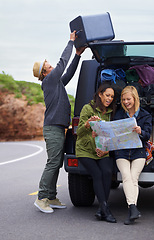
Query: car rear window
[[105, 50]]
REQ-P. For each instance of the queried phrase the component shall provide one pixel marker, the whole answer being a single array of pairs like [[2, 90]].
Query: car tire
[[81, 190]]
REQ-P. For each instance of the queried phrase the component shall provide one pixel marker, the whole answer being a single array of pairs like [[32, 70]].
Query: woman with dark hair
[[98, 163]]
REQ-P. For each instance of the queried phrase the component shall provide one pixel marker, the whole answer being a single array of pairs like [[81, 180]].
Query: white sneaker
[[43, 205]]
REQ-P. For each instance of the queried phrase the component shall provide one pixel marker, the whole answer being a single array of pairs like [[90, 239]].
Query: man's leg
[[54, 138]]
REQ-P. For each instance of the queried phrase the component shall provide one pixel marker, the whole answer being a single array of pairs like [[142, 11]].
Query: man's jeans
[[54, 137]]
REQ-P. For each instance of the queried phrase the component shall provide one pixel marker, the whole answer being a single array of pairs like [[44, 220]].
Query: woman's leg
[[95, 171], [106, 166], [130, 172], [137, 166], [96, 174], [124, 167]]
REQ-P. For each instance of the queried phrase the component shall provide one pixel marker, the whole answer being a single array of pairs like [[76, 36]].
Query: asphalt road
[[21, 166]]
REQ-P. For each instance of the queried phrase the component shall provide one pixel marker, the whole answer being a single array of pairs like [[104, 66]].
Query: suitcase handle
[[78, 33]]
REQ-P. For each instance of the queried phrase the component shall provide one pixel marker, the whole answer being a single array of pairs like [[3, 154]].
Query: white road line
[[28, 156]]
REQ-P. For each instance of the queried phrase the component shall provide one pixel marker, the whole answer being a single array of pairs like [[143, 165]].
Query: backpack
[[116, 78], [147, 99]]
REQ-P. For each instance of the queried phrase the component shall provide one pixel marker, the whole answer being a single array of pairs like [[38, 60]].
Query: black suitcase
[[92, 28]]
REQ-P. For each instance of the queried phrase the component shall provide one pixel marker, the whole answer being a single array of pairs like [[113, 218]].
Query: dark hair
[[97, 101]]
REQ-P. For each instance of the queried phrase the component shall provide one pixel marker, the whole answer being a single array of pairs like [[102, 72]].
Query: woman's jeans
[[54, 137], [101, 173], [130, 171]]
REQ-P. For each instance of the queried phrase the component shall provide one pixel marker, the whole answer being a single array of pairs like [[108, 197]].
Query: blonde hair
[[134, 93]]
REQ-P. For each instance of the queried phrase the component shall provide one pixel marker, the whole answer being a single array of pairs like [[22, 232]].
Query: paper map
[[116, 135]]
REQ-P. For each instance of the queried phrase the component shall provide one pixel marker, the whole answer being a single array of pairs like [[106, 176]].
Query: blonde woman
[[130, 162]]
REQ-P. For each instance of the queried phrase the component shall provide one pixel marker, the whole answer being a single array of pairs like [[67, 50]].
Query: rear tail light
[[75, 122], [72, 162]]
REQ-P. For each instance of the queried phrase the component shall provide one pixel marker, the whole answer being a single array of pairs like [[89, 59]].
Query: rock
[[18, 120]]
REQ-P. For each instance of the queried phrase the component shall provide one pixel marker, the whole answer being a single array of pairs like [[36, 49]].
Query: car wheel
[[81, 190]]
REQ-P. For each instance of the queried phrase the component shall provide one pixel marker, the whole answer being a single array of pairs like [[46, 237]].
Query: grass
[[32, 91]]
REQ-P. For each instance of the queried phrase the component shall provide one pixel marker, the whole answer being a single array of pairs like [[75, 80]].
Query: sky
[[34, 30]]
